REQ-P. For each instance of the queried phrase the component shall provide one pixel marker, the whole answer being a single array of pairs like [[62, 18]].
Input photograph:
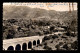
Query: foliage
[[45, 38], [47, 47], [35, 20], [54, 36], [74, 45], [45, 43]]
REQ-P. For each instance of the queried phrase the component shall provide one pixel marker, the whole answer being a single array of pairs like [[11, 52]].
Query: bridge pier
[[32, 45], [40, 41], [21, 46]]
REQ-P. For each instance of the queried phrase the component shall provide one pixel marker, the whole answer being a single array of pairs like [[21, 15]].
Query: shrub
[[54, 36], [4, 35], [11, 34], [51, 41], [63, 37], [57, 46], [47, 48], [4, 27], [12, 20], [45, 43], [67, 47], [46, 38], [61, 43], [46, 32], [52, 28], [68, 33], [73, 35], [74, 45], [59, 34]]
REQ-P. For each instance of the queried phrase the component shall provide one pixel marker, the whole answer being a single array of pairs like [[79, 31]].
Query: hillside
[[27, 12], [20, 21]]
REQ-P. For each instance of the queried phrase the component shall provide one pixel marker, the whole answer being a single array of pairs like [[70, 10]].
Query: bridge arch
[[10, 48], [24, 46], [34, 42], [38, 41], [29, 45], [18, 47]]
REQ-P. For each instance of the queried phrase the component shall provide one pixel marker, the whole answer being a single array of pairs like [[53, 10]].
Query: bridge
[[24, 43]]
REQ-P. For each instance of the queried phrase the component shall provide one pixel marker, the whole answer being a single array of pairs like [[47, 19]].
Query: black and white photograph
[[40, 26]]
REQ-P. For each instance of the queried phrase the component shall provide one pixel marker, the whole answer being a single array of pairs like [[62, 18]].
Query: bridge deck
[[21, 39]]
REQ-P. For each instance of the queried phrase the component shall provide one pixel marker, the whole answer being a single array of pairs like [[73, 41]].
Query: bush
[[51, 41], [68, 33], [45, 43], [61, 43], [74, 45], [73, 35], [4, 35], [11, 33], [57, 46], [12, 20], [50, 36], [64, 46], [67, 47], [54, 36], [63, 37], [47, 48], [47, 32], [52, 28], [46, 38], [4, 27], [31, 33], [59, 34]]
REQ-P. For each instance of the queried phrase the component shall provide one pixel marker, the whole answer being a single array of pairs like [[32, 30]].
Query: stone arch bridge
[[24, 43]]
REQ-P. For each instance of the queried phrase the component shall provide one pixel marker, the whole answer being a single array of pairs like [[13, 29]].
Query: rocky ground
[[59, 42]]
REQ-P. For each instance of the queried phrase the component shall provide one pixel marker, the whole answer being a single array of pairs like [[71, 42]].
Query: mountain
[[18, 12]]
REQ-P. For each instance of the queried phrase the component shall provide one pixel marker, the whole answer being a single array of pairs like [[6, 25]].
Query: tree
[[11, 34], [45, 38], [74, 45], [47, 47], [73, 24]]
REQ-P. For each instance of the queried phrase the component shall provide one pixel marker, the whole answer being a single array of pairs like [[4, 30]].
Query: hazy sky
[[47, 6]]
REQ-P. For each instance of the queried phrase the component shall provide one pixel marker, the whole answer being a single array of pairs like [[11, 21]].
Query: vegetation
[[46, 38], [54, 36], [24, 21], [74, 45], [47, 47]]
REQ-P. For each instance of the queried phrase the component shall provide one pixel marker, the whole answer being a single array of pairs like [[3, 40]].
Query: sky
[[48, 6]]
